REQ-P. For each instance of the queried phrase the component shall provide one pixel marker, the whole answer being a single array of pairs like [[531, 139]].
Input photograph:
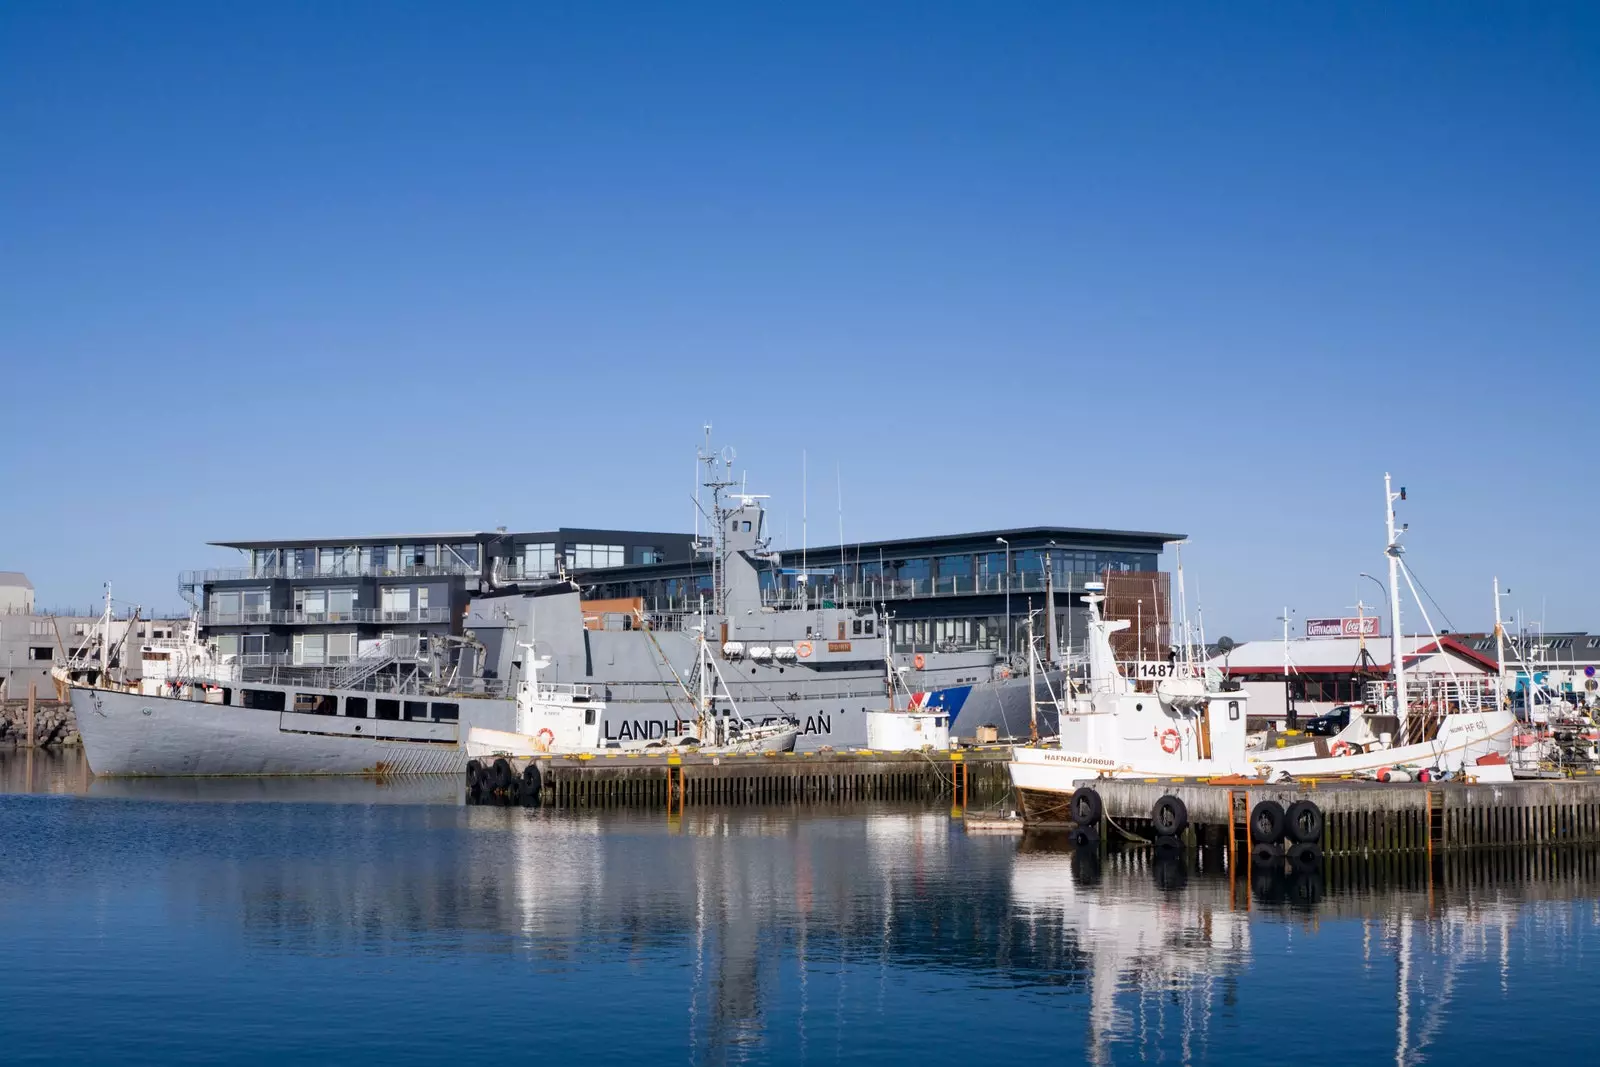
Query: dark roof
[[1022, 537], [565, 533], [380, 539], [1064, 536]]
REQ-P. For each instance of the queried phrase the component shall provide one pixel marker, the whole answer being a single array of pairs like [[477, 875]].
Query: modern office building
[[959, 591], [323, 601]]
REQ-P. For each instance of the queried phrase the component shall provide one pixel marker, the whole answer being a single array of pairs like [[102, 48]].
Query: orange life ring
[[1170, 741], [544, 739], [1341, 748], [918, 661], [803, 649]]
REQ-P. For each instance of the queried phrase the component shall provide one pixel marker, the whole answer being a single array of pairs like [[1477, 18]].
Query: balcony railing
[[873, 590], [242, 574], [289, 617]]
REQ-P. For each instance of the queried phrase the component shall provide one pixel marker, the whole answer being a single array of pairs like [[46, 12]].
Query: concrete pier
[[1364, 818], [672, 782]]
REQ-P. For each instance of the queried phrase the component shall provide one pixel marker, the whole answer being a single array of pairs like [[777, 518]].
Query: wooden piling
[[33, 694]]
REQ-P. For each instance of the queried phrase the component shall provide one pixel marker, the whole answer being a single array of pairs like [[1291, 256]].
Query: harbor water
[[361, 921]]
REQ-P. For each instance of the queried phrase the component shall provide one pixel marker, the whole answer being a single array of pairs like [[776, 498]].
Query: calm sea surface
[[355, 923]]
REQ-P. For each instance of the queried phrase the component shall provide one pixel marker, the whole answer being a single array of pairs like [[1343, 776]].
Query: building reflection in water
[[773, 925]]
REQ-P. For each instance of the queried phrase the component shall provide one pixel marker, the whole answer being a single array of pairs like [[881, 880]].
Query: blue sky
[[300, 269]]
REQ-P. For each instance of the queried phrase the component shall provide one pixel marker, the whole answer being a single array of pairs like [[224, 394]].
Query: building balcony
[[289, 617], [874, 590], [196, 578]]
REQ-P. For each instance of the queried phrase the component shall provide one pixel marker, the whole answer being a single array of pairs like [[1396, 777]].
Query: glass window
[[585, 557], [913, 568], [648, 555], [310, 649], [314, 603], [955, 566], [253, 645], [396, 603], [255, 603], [355, 707], [341, 603], [226, 604], [227, 644], [538, 560], [338, 561], [422, 598], [341, 647]]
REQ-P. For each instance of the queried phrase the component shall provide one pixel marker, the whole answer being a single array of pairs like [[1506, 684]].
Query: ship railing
[[403, 683], [515, 570], [564, 691], [672, 620]]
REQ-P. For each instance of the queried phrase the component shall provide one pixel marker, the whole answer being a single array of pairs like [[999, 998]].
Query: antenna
[[838, 481]]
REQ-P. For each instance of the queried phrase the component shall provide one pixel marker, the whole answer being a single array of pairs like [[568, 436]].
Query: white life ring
[[1170, 741]]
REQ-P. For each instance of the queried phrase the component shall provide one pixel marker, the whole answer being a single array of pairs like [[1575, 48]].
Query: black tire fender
[[1086, 806], [1304, 822], [1266, 822], [1170, 816]]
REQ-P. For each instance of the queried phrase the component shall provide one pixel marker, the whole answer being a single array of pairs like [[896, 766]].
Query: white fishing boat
[[921, 724], [1191, 723], [554, 719]]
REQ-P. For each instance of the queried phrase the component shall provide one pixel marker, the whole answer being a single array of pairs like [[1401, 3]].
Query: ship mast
[[718, 476], [1396, 642]]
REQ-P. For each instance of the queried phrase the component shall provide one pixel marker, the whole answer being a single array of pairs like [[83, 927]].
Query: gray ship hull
[[135, 734], [131, 734]]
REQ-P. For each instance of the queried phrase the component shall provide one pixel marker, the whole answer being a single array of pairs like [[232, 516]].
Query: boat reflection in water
[[778, 934]]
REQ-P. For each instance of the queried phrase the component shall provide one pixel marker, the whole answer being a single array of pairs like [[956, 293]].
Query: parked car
[[1331, 723]]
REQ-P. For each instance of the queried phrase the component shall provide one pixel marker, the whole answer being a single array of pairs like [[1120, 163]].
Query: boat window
[[869, 627], [355, 707], [446, 712], [388, 709], [316, 703], [264, 699], [855, 627], [588, 716], [416, 709], [227, 695], [1233, 709]]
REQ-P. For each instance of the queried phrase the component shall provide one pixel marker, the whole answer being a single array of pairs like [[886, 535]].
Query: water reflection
[[787, 934]]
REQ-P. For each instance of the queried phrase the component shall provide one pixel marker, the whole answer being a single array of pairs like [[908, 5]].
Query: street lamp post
[[1385, 590], [1003, 541]]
